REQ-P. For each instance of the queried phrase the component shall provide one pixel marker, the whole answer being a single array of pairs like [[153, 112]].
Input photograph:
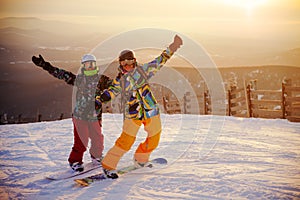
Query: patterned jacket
[[87, 88], [138, 101]]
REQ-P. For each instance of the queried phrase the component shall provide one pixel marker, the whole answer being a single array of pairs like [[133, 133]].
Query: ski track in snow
[[210, 157]]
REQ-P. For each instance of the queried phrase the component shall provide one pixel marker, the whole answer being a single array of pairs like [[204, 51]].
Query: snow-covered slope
[[210, 157]]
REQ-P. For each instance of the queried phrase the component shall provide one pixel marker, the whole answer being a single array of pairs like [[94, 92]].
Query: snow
[[210, 157]]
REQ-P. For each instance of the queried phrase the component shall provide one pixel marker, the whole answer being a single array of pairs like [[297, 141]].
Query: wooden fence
[[237, 102], [174, 106], [171, 106], [206, 103], [283, 103], [4, 119], [291, 101], [266, 104], [242, 102], [249, 102]]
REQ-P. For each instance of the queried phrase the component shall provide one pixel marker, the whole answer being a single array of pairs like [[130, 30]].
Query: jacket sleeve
[[67, 76], [154, 66]]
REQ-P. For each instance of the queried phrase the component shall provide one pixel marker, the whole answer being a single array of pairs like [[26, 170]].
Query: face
[[128, 65], [89, 65]]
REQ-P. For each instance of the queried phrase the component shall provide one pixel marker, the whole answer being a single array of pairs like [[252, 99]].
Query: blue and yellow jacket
[[138, 101]]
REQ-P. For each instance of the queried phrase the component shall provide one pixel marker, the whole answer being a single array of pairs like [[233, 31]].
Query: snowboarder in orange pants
[[139, 107]]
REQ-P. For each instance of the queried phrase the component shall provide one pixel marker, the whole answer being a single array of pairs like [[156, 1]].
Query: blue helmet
[[88, 57]]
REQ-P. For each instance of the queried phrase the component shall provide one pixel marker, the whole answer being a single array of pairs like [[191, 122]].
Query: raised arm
[[152, 67], [67, 76]]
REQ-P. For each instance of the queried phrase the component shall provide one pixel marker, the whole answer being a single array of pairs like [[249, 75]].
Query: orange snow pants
[[123, 144]]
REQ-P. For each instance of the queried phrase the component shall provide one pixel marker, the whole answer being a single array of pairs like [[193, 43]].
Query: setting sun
[[248, 5]]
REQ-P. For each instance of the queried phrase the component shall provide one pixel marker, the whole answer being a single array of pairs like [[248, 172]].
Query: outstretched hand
[[176, 43], [39, 61]]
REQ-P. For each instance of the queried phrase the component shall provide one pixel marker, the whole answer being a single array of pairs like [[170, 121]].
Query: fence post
[[165, 104], [232, 96], [229, 102], [248, 100], [206, 102], [19, 118], [5, 120], [288, 82], [61, 116], [39, 119], [186, 102], [283, 99]]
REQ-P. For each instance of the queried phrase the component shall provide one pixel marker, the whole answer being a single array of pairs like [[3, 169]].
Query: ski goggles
[[127, 62], [89, 65]]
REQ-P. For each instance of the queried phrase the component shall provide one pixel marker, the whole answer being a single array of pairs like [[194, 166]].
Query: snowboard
[[101, 176], [70, 173]]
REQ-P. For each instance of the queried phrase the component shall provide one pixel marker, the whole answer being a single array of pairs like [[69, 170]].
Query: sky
[[223, 26], [251, 18]]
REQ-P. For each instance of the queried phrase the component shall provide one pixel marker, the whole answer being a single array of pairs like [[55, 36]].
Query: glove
[[176, 43], [39, 61], [98, 103], [104, 82]]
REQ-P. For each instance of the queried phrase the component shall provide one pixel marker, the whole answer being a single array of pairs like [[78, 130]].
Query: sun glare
[[248, 5]]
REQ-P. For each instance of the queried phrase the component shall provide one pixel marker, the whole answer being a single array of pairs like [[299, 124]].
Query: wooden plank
[[234, 104], [239, 99], [275, 102], [236, 91], [260, 106], [237, 108], [240, 115], [266, 92], [267, 113], [292, 89], [173, 111], [293, 118], [293, 113], [290, 109], [292, 99]]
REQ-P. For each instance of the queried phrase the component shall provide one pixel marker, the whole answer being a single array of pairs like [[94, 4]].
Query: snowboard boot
[[110, 173], [140, 165], [96, 161], [77, 167]]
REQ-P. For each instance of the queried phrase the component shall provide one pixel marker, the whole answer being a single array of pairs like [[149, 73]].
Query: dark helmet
[[126, 54]]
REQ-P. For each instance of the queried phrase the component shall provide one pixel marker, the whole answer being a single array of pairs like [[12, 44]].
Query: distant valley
[[28, 90]]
